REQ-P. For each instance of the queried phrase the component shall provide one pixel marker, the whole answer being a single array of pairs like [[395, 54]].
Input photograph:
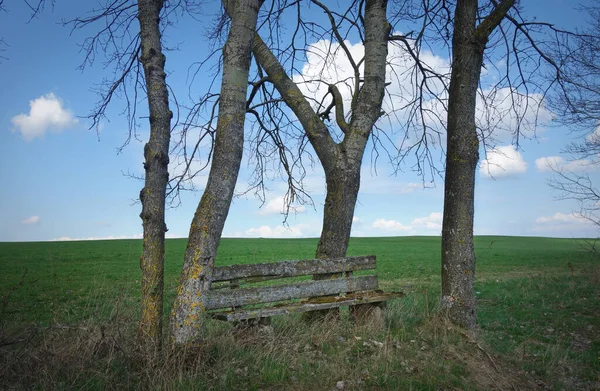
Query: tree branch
[[315, 129], [485, 28]]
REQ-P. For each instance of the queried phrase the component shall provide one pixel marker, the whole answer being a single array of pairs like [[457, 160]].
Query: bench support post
[[372, 314]]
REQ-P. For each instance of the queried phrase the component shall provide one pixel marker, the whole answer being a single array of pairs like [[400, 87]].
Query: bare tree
[[462, 156], [577, 105], [135, 54], [209, 219], [122, 44], [156, 153], [577, 100], [341, 160], [521, 52]]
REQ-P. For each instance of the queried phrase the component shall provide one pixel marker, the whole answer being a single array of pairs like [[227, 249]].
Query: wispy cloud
[[280, 231], [433, 221], [277, 206], [557, 163], [562, 218], [389, 225], [565, 225], [71, 239], [31, 220]]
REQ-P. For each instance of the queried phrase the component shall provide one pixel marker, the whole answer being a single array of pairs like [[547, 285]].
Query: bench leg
[[372, 314]]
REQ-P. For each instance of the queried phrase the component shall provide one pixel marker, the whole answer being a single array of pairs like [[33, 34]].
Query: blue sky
[[63, 181]]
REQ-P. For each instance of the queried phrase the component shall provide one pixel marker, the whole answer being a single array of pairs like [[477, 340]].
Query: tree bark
[[340, 201], [211, 213], [462, 157], [152, 196]]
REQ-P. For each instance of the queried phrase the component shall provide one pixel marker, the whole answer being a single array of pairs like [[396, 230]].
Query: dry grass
[[290, 354]]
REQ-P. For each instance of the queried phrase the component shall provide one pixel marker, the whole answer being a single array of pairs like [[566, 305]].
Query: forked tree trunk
[[340, 161], [462, 156], [343, 173], [210, 216], [152, 196]]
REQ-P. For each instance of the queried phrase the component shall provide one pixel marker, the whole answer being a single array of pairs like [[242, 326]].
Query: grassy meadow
[[68, 314]]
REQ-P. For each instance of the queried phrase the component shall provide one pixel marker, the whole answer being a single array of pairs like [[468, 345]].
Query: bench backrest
[[237, 275]]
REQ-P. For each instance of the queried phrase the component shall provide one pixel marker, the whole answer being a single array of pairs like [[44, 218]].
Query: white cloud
[[389, 225], [410, 187], [46, 113], [433, 221], [548, 163], [504, 161], [327, 63], [31, 220], [552, 163], [277, 206], [387, 185], [292, 231]]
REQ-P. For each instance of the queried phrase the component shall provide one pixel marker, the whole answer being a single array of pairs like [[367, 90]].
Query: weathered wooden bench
[[233, 298]]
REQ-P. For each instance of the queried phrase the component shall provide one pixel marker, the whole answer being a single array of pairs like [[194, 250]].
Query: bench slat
[[244, 296], [369, 297], [294, 268]]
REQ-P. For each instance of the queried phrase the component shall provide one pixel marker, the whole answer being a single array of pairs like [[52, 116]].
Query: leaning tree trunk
[[156, 153], [209, 219], [462, 156]]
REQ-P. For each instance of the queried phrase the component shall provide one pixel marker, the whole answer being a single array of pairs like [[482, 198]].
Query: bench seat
[[234, 296]]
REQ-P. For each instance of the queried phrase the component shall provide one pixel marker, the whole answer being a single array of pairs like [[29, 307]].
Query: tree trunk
[[342, 191], [152, 196], [462, 156], [340, 201], [210, 216], [343, 174]]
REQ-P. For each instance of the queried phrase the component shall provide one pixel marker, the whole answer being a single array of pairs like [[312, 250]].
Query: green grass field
[[69, 312]]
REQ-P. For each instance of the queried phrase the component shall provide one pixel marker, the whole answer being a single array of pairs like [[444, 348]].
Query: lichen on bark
[[152, 196], [211, 213]]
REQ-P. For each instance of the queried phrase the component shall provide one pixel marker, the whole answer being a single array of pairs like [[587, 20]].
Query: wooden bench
[[233, 298]]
